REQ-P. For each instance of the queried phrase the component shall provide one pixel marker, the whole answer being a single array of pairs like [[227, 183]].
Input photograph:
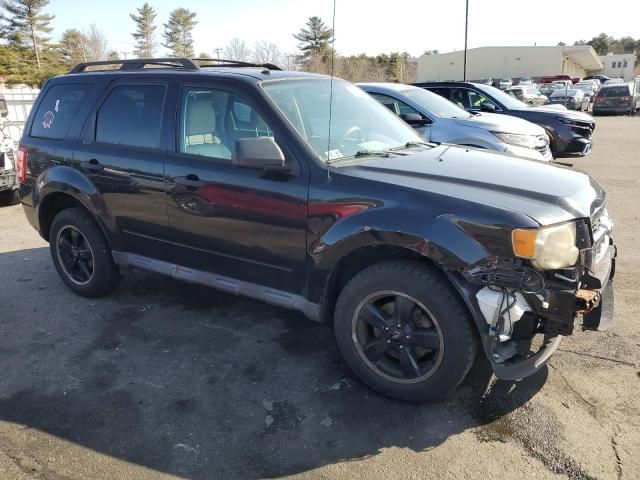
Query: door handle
[[191, 181], [93, 165]]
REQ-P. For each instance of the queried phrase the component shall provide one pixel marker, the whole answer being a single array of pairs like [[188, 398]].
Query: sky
[[365, 26]]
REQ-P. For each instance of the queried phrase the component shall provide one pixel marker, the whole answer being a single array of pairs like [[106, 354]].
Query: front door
[[242, 223], [400, 108], [122, 153]]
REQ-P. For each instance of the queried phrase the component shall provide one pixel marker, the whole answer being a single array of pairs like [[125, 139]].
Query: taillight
[[626, 99], [599, 99], [21, 167]]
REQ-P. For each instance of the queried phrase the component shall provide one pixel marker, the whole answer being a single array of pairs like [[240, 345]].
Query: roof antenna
[[333, 55]]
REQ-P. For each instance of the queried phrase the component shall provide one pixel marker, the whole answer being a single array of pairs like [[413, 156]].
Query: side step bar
[[227, 284]]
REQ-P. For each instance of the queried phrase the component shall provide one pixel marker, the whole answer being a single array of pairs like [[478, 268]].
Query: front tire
[[404, 331], [81, 254]]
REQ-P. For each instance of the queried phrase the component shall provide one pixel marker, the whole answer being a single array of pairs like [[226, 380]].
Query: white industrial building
[[619, 66], [510, 62]]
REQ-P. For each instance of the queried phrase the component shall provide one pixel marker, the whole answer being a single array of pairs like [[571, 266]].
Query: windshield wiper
[[372, 153], [409, 145]]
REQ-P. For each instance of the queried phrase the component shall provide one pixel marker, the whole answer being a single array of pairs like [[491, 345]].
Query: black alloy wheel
[[75, 255], [397, 337]]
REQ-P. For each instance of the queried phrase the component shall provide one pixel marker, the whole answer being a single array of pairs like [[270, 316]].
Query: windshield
[[563, 93], [358, 122], [583, 86], [504, 98], [434, 103]]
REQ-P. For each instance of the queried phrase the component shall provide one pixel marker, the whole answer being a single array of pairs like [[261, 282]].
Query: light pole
[[466, 29]]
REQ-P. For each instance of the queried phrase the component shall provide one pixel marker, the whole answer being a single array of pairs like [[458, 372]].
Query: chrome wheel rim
[[397, 337]]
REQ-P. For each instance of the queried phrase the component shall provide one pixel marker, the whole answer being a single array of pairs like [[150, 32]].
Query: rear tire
[[81, 254], [404, 331]]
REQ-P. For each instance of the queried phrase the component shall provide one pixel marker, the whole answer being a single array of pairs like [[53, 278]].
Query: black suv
[[569, 132], [303, 191]]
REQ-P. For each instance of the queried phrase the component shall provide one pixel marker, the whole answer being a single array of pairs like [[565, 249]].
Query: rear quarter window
[[58, 109], [131, 116]]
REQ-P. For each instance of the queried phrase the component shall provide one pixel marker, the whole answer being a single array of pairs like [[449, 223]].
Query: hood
[[501, 123], [545, 192], [553, 107], [585, 117]]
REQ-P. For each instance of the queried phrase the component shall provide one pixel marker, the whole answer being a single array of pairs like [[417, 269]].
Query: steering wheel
[[350, 131]]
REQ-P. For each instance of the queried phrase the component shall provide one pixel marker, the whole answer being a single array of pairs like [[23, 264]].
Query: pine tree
[[145, 31], [113, 55], [177, 32], [73, 44], [28, 25], [314, 40]]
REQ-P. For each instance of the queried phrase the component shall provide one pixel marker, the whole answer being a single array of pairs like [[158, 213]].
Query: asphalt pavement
[[170, 380]]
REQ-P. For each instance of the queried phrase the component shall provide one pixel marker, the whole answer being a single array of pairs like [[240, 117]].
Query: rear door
[[242, 223], [123, 155]]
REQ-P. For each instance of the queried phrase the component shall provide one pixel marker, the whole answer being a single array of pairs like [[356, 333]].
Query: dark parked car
[[570, 132], [572, 98], [617, 98], [242, 178], [601, 78]]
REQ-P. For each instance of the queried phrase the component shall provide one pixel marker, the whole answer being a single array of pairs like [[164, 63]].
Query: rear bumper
[[611, 109], [30, 213], [8, 181]]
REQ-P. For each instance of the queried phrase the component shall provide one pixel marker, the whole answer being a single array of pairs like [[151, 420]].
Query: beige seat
[[200, 126]]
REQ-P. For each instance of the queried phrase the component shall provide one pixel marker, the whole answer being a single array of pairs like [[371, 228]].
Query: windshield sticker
[[47, 119], [57, 105], [333, 154]]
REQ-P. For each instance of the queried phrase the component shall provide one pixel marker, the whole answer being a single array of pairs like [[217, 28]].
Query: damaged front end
[[523, 311]]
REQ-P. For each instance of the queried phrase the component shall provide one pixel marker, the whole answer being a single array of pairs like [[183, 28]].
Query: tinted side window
[[58, 109], [443, 92], [211, 120], [396, 106], [132, 116]]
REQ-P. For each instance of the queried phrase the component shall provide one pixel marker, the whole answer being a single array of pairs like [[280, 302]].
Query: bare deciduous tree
[[96, 46], [267, 52], [237, 49]]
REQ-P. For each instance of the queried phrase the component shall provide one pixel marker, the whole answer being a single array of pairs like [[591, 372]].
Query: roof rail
[[221, 62], [138, 63]]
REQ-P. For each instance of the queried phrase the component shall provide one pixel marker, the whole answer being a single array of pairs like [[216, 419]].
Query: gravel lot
[[170, 380]]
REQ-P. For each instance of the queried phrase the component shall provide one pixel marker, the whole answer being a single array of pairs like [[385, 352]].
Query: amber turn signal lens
[[524, 243]]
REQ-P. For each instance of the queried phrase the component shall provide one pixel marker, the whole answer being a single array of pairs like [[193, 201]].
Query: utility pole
[[466, 29], [217, 50]]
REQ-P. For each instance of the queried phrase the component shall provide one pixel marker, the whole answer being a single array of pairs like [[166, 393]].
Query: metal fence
[[19, 101]]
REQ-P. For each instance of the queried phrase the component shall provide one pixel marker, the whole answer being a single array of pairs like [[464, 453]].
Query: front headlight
[[548, 248], [528, 141]]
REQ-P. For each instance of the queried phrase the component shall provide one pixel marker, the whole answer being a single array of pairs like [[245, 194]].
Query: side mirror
[[488, 107], [260, 153], [414, 119]]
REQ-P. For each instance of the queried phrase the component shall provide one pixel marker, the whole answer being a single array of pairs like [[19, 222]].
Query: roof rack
[[138, 63], [221, 62], [186, 63]]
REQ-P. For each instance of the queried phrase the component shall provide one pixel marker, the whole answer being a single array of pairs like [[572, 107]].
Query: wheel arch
[[356, 261], [63, 187]]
